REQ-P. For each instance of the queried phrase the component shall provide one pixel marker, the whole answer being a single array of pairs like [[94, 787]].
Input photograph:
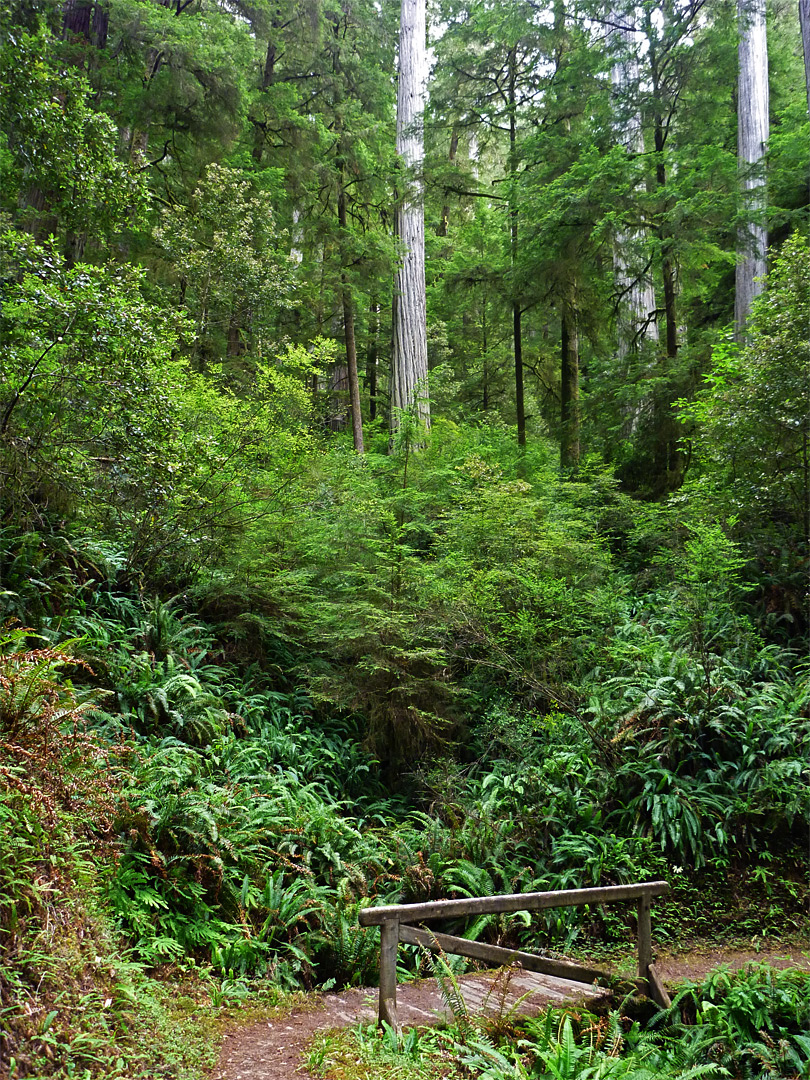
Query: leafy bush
[[753, 1022]]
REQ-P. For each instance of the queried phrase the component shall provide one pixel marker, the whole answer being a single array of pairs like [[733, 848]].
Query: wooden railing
[[395, 923]]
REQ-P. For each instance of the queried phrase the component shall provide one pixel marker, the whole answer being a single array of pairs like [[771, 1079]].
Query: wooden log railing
[[396, 924]]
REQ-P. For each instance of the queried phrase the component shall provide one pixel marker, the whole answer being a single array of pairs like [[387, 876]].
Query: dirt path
[[276, 1049]]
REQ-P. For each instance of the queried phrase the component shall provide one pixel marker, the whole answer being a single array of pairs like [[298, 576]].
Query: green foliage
[[86, 377], [74, 1002], [225, 254], [59, 171], [102, 425], [748, 1024], [752, 1022], [416, 1055], [277, 680], [752, 412], [181, 80]]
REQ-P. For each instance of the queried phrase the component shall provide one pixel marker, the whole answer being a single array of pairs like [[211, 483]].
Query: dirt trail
[[276, 1049]]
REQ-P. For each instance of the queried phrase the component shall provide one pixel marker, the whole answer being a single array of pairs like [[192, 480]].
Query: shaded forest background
[[251, 678]]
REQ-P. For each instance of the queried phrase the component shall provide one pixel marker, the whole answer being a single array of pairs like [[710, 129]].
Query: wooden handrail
[[486, 905], [395, 922]]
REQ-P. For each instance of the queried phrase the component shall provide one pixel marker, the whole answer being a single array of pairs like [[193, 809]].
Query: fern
[[451, 991], [499, 1016]]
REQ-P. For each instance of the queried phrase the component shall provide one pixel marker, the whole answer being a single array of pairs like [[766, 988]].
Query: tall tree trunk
[[348, 331], [409, 368], [517, 338], [668, 271], [371, 358], [484, 348], [296, 249], [517, 330], [804, 23], [636, 309], [569, 331], [236, 345], [667, 461], [569, 383], [752, 141]]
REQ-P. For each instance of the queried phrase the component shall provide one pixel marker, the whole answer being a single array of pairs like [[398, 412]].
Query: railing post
[[389, 939], [644, 936]]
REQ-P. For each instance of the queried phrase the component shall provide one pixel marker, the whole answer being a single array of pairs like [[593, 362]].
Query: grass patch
[[363, 1051]]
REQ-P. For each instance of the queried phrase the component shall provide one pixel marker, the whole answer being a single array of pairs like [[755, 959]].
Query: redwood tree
[[804, 22], [409, 361], [752, 139]]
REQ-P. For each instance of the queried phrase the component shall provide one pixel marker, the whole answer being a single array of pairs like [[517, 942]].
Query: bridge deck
[[422, 1003]]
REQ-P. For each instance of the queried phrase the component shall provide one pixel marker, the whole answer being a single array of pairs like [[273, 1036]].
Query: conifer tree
[[635, 287], [492, 69], [409, 360], [752, 140], [804, 22]]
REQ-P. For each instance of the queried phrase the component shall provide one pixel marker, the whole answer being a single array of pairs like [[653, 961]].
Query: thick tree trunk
[[752, 140], [348, 331], [85, 26], [236, 344], [297, 248], [569, 331], [804, 23], [409, 360]]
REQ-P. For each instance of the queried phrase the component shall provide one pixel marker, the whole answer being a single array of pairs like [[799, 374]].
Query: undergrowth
[[750, 1024], [390, 714], [76, 1000]]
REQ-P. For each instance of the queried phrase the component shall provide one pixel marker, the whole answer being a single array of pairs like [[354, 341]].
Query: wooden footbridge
[[397, 923]]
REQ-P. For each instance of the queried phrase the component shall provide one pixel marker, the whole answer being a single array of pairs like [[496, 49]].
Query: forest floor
[[276, 1048]]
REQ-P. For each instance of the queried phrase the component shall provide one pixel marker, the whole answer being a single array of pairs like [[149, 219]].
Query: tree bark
[[85, 22], [409, 360], [484, 348], [236, 344], [804, 23], [84, 25], [752, 140], [569, 331], [520, 407], [669, 272], [371, 358]]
